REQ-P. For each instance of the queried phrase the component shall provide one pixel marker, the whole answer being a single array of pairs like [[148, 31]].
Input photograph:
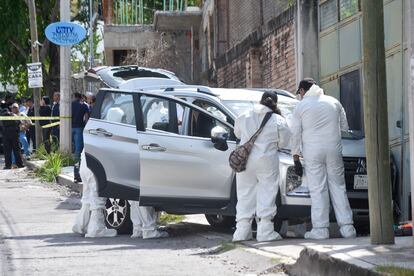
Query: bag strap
[[262, 125]]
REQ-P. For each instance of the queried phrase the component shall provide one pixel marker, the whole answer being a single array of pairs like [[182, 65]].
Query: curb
[[314, 263], [67, 181], [62, 179]]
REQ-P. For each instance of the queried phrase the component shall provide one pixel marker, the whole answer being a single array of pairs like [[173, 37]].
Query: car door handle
[[100, 131], [153, 147]]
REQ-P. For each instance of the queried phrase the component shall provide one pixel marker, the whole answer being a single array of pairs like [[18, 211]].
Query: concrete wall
[[307, 40], [167, 50]]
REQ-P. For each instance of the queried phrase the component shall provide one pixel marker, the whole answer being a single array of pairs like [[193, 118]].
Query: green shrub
[[40, 153], [53, 165]]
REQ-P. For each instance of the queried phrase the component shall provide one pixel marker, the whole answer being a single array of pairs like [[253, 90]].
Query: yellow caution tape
[[33, 118], [51, 125]]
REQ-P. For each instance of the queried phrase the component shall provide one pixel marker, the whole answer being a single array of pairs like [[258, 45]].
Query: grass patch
[[166, 218], [53, 165], [40, 153], [226, 246], [395, 270]]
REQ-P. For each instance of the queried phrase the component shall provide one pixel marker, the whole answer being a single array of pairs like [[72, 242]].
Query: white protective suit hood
[[315, 90]]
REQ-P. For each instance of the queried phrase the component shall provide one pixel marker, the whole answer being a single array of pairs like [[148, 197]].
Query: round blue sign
[[65, 33]]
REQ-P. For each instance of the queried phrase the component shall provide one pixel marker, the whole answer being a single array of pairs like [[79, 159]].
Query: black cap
[[306, 84]]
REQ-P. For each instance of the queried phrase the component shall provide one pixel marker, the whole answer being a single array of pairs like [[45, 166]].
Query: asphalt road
[[36, 239]]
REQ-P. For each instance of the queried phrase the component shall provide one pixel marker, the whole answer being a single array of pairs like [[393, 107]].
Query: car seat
[[203, 126], [115, 114]]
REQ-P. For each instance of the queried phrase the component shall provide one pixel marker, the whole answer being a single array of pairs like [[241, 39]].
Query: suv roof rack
[[199, 88]]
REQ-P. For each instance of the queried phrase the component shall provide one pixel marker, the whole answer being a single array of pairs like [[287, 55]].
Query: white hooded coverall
[[316, 132], [258, 185], [90, 219]]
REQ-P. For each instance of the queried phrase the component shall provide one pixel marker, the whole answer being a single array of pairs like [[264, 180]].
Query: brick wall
[[278, 59], [266, 60], [233, 74]]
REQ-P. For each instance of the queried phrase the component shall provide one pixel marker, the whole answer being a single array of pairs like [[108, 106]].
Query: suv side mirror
[[219, 137]]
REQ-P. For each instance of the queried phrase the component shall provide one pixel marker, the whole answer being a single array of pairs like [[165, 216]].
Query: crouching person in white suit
[[90, 220]]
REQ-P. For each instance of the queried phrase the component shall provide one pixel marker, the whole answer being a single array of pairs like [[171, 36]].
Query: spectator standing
[[56, 113], [80, 114], [31, 133], [23, 127], [90, 99], [10, 138], [45, 110], [22, 108]]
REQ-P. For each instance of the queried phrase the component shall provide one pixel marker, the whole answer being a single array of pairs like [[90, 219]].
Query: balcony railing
[[132, 12]]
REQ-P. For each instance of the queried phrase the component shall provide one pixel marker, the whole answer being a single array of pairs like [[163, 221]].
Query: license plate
[[360, 182]]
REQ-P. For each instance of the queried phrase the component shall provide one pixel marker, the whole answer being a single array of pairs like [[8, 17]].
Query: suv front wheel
[[221, 222], [117, 215]]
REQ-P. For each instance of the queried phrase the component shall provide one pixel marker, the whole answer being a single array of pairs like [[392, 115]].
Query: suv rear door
[[181, 171], [111, 144]]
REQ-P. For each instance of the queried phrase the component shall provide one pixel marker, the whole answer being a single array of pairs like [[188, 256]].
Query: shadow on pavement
[[182, 236]]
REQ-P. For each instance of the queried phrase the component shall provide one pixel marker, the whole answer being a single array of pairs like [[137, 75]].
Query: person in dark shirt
[[80, 114], [10, 138], [45, 110], [56, 113]]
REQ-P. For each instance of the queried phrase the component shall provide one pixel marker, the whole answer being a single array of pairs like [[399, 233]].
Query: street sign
[[35, 76], [65, 33]]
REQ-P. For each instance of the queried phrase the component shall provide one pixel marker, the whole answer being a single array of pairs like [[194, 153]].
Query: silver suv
[[168, 147]]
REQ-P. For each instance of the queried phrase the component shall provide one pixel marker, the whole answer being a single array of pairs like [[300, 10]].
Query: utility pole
[[376, 123], [91, 21], [410, 39], [35, 58], [65, 91]]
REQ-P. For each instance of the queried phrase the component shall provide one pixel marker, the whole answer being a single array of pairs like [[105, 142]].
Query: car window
[[200, 124], [119, 108], [213, 109], [156, 114]]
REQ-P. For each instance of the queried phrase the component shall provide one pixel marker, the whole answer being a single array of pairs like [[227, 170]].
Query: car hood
[[350, 148], [353, 148]]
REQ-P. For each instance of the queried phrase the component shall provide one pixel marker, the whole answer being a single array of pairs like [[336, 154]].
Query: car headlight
[[292, 179]]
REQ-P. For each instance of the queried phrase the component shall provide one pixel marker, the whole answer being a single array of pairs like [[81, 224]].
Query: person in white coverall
[[258, 185], [316, 133], [90, 220]]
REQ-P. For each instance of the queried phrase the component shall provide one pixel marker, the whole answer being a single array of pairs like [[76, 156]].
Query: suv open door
[[181, 170]]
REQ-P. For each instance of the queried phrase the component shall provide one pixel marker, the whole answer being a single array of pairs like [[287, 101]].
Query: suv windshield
[[239, 107]]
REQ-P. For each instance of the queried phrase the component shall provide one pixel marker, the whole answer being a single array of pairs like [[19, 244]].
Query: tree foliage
[[15, 42]]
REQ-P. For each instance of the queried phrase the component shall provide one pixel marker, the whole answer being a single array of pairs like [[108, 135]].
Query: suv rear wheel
[[117, 215]]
